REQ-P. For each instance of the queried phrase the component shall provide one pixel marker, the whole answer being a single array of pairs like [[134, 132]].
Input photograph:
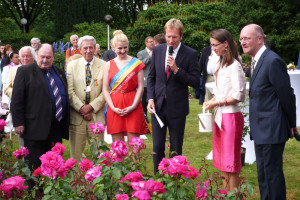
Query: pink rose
[[122, 197], [133, 177], [139, 185], [141, 194], [1, 174], [137, 144], [106, 155], [21, 153], [69, 164], [93, 173], [119, 147], [59, 148], [163, 165], [37, 172], [202, 192], [2, 124], [13, 185], [223, 192], [154, 187], [62, 172], [97, 128], [180, 160], [51, 162], [85, 165], [193, 173]]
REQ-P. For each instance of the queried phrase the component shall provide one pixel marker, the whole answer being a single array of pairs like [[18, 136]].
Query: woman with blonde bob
[[123, 84], [229, 90]]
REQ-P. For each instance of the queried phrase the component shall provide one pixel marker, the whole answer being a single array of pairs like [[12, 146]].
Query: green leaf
[[181, 193], [47, 189], [116, 173]]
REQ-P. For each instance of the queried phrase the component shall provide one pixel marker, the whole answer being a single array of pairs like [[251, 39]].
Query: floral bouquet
[[291, 67]]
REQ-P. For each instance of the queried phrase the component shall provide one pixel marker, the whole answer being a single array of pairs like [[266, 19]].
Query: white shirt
[[175, 51], [258, 54], [213, 63], [149, 51], [230, 82]]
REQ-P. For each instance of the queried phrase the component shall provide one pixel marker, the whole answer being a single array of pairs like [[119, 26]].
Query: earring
[[226, 48]]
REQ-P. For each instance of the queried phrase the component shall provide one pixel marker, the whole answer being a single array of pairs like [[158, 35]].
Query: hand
[[19, 130], [172, 64], [209, 105], [118, 111], [127, 110], [87, 117], [293, 130], [151, 107], [85, 109]]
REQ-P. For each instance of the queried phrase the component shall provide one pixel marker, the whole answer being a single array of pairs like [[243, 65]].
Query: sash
[[125, 74]]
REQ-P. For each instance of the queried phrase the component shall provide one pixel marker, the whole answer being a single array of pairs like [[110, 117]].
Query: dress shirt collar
[[148, 50], [175, 51], [91, 63], [259, 53], [72, 48]]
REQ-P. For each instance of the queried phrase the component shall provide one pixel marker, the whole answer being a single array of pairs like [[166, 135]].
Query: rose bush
[[114, 173]]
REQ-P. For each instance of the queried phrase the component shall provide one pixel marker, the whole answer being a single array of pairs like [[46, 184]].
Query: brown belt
[[126, 91]]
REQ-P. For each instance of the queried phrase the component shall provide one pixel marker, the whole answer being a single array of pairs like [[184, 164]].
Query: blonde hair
[[175, 23], [119, 36]]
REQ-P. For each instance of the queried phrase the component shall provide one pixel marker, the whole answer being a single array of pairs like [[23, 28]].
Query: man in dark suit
[[39, 106], [145, 56], [272, 111], [109, 54], [168, 81]]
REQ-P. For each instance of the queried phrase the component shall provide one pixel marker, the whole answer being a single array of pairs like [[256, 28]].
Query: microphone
[[170, 54]]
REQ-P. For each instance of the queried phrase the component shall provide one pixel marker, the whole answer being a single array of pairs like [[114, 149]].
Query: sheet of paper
[[158, 119]]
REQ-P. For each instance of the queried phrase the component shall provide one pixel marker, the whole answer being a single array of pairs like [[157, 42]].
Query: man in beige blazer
[[86, 100], [27, 56]]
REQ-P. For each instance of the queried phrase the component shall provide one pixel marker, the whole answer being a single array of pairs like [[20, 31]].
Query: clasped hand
[[209, 105], [123, 112]]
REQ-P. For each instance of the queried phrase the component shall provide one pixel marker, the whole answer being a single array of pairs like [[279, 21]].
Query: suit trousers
[[176, 126], [144, 101], [79, 134], [271, 180], [37, 148]]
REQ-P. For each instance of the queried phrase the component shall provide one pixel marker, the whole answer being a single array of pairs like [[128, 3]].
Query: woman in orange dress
[[123, 84]]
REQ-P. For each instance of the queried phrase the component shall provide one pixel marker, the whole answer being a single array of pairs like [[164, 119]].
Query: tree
[[71, 12], [29, 10]]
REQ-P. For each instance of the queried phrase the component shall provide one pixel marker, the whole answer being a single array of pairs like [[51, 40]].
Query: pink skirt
[[227, 143]]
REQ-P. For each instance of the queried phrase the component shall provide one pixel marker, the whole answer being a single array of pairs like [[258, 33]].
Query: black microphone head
[[170, 50]]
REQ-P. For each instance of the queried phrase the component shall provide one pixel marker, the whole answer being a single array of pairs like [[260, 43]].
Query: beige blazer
[[10, 81], [76, 77]]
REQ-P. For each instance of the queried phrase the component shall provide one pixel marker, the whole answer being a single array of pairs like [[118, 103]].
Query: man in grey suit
[[272, 111], [146, 56]]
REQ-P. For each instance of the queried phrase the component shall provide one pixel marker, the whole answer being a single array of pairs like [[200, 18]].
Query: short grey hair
[[26, 48], [73, 36], [86, 38], [36, 39]]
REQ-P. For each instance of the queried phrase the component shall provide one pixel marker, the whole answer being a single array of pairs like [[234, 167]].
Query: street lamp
[[24, 22], [108, 20]]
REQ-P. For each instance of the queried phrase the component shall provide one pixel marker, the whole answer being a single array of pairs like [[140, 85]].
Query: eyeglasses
[[246, 39], [216, 45]]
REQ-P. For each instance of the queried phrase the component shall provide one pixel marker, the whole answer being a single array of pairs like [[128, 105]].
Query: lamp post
[[108, 20], [24, 22]]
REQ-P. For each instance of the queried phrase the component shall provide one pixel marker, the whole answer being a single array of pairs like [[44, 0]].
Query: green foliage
[[279, 19], [98, 30], [198, 19]]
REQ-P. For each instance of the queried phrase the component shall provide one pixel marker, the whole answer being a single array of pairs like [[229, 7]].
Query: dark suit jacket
[[176, 87], [205, 53], [31, 103], [272, 101], [146, 59], [109, 55]]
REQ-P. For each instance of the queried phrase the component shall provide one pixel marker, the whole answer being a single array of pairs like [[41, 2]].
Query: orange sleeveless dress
[[134, 122]]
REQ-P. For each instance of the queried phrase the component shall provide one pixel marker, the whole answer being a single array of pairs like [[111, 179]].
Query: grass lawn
[[197, 146]]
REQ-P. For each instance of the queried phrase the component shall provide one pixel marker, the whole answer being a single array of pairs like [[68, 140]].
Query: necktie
[[57, 97], [252, 65], [88, 83]]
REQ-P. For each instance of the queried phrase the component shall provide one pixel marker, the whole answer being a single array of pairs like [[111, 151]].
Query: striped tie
[[252, 65], [57, 97], [88, 82]]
